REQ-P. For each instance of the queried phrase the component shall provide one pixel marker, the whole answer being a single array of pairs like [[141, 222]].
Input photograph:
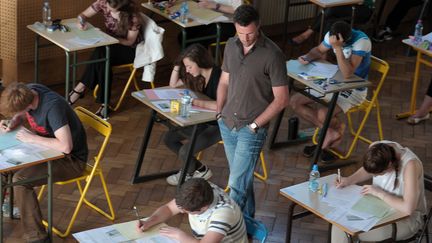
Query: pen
[[136, 212], [339, 176], [325, 189], [307, 60]]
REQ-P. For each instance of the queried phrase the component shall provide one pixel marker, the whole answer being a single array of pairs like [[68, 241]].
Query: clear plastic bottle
[[46, 14], [6, 204], [418, 32], [185, 104], [184, 12], [314, 179]]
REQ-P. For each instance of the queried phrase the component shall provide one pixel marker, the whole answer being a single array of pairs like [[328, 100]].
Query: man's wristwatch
[[253, 127], [218, 116], [217, 7]]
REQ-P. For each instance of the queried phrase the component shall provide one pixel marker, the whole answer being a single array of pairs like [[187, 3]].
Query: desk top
[[22, 155], [294, 67], [312, 201], [195, 118], [75, 39], [335, 3], [198, 16], [417, 48]]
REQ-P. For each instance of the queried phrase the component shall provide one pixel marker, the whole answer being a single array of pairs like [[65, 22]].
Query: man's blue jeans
[[242, 148]]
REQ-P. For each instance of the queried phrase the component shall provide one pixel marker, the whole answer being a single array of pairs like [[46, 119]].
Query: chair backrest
[[101, 126], [256, 229], [382, 67]]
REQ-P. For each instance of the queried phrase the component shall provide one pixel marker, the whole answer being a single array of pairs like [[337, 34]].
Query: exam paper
[[342, 217], [344, 198], [371, 205], [325, 70], [166, 94], [8, 139]]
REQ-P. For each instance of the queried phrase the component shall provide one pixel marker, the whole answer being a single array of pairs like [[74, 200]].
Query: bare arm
[[61, 142], [212, 5], [175, 81], [130, 39], [280, 101], [183, 237], [314, 54], [359, 176], [208, 104], [222, 91], [346, 66], [7, 126], [87, 13], [161, 215], [408, 202]]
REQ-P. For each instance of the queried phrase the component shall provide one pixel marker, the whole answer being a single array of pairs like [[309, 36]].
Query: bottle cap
[[315, 167], [186, 92]]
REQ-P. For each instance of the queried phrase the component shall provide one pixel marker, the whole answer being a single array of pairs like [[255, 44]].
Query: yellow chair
[[128, 83], [381, 67], [103, 128]]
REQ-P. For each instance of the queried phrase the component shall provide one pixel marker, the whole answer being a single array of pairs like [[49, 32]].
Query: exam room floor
[[286, 166]]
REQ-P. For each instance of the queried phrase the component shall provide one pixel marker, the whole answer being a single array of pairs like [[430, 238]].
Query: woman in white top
[[397, 179]]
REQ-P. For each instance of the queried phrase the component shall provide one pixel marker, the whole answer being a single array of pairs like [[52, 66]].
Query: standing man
[[54, 125], [253, 88]]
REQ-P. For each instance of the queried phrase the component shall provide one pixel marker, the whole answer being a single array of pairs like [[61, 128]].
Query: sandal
[[80, 96], [99, 112], [416, 120]]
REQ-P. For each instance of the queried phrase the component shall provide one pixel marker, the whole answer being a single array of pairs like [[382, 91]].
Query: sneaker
[[205, 174], [383, 35], [308, 151]]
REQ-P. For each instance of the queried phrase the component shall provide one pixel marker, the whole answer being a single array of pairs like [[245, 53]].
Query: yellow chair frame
[[381, 67], [104, 128], [128, 83]]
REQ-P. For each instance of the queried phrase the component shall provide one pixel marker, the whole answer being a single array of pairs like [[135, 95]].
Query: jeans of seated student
[[207, 135], [242, 148]]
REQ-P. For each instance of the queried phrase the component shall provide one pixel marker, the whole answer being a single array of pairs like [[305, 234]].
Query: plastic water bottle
[[418, 32], [185, 104], [184, 12], [313, 179], [46, 14]]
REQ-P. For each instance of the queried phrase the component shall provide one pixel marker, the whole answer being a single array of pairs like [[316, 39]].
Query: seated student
[[422, 113], [213, 215], [226, 7], [195, 69], [353, 51], [54, 125], [397, 179], [122, 21], [362, 14]]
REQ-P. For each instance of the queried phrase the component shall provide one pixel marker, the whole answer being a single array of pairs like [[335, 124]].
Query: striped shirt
[[223, 216]]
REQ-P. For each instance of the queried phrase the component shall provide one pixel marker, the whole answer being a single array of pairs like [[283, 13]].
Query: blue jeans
[[242, 148]]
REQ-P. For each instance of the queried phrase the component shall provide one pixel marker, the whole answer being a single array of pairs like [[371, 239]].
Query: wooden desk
[[420, 59], [312, 201], [194, 120], [71, 42], [293, 69], [35, 158], [193, 7]]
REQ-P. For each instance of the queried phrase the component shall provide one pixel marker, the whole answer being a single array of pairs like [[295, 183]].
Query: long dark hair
[[198, 54], [378, 158], [128, 10]]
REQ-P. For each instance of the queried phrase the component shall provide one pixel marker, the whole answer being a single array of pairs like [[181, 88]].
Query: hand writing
[[303, 60], [342, 183], [143, 225]]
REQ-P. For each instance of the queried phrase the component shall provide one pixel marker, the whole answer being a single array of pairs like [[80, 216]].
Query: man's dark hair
[[343, 28], [194, 194], [245, 15]]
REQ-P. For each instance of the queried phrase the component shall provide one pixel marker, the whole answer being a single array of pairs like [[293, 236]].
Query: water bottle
[[418, 32], [46, 14], [185, 104], [313, 179], [6, 205], [184, 12]]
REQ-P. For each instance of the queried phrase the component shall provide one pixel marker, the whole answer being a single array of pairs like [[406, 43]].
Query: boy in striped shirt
[[213, 215]]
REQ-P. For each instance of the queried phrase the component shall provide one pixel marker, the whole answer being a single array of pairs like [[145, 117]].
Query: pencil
[[339, 176], [136, 212]]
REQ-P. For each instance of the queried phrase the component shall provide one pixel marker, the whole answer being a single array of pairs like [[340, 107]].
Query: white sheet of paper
[[345, 197], [171, 94], [100, 235], [7, 139], [428, 37], [325, 70], [339, 215], [163, 105]]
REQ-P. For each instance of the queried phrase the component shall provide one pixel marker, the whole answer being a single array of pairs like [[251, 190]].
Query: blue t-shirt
[[359, 45]]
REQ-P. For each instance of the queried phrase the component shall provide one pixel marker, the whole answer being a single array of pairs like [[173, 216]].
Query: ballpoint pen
[[136, 212], [339, 176]]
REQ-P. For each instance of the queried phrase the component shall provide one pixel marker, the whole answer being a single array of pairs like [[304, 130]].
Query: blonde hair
[[15, 98]]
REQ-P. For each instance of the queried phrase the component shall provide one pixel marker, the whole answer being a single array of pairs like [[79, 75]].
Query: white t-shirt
[[223, 216]]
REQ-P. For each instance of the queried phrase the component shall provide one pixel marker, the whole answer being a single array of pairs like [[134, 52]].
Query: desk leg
[[137, 178], [289, 223], [285, 30], [353, 15], [74, 66], [218, 37], [50, 198], [186, 164], [414, 90], [107, 67], [36, 60], [323, 130], [321, 25], [183, 44], [67, 76]]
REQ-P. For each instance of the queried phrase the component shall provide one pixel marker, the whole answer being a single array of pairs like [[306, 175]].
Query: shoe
[[80, 96], [308, 151], [416, 120], [101, 108], [174, 179], [383, 35], [327, 156], [16, 212]]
